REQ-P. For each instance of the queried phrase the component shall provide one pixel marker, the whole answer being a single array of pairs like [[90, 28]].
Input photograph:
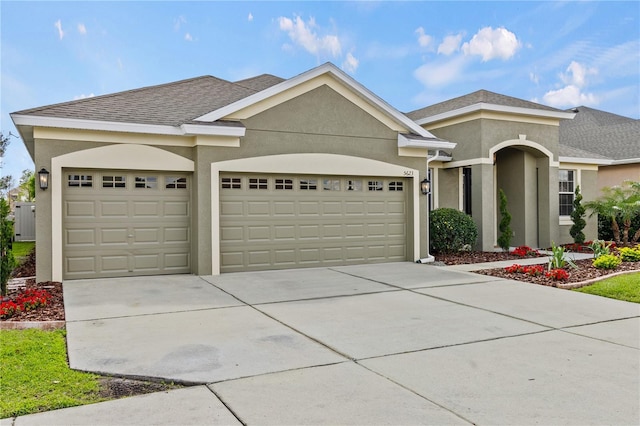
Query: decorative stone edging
[[571, 286], [22, 325]]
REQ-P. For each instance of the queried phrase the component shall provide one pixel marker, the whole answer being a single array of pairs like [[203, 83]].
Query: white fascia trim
[[625, 161], [327, 68], [482, 106], [407, 142], [194, 129], [116, 126], [598, 161]]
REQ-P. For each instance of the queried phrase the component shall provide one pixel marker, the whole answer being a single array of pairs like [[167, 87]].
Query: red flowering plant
[[558, 274], [525, 251], [533, 270], [28, 300], [514, 269], [9, 309]]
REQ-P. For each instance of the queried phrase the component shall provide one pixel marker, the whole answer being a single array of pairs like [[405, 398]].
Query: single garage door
[[123, 223], [285, 221]]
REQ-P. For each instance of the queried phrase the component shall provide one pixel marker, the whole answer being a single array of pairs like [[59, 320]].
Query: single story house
[[207, 176]]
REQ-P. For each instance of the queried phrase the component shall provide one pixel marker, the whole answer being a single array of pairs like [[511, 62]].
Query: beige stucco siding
[[616, 175]]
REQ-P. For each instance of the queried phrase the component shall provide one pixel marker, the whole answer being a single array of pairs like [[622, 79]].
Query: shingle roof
[[170, 104], [602, 133], [480, 96], [568, 151], [260, 82]]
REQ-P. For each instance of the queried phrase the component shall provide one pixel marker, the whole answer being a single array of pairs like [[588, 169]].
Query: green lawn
[[22, 248], [623, 287], [34, 375]]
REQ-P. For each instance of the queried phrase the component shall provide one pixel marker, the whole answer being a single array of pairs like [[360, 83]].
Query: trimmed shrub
[[451, 230], [628, 254], [607, 261], [504, 240]]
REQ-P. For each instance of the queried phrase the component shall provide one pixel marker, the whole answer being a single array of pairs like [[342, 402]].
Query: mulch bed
[[466, 257], [585, 272]]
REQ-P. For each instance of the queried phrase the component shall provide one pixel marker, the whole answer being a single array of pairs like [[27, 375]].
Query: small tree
[[7, 261], [621, 204], [28, 185], [504, 240], [577, 217]]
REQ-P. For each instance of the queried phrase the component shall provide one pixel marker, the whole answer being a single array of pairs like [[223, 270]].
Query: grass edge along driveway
[[622, 287], [35, 376]]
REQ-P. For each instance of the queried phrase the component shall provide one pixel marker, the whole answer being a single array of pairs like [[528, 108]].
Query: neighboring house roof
[[482, 99], [603, 134]]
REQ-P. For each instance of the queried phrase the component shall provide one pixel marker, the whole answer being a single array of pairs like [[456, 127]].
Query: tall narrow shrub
[[504, 240], [7, 262], [577, 217]]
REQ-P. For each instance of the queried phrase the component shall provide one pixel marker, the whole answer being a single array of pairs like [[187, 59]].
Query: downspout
[[429, 258]]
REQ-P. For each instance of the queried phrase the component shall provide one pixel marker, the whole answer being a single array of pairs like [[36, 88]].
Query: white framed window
[[284, 183], [231, 183], [258, 183], [354, 185], [147, 182], [566, 184], [80, 181], [308, 184], [331, 184], [114, 181], [375, 185], [174, 182], [396, 186]]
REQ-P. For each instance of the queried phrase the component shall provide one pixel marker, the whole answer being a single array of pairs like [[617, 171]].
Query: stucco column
[[483, 205]]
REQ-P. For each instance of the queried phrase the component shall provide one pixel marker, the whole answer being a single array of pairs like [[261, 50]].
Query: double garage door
[[124, 223], [287, 221]]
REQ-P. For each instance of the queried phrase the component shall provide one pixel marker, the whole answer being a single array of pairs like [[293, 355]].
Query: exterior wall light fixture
[[425, 186], [43, 178]]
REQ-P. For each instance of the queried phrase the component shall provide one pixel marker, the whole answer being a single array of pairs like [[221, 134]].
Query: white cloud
[[350, 63], [424, 40], [58, 25], [250, 17], [82, 29], [440, 74], [178, 22], [83, 96], [573, 93], [576, 74], [188, 37], [450, 44], [535, 78], [304, 34], [490, 44], [569, 96]]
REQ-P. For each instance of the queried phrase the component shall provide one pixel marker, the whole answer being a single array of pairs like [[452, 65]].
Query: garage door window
[[231, 183], [284, 183], [173, 182], [80, 181], [375, 185], [258, 183], [308, 184], [331, 184], [114, 181], [395, 186], [146, 182], [354, 185]]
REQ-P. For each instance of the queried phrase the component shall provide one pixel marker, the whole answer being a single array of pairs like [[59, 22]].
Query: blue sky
[[411, 54]]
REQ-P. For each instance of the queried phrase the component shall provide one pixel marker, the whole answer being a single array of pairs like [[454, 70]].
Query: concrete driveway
[[396, 343]]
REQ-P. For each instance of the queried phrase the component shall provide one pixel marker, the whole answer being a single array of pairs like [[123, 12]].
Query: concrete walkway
[[397, 343]]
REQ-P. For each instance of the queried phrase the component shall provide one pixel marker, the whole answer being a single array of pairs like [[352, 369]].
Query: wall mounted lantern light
[[425, 186], [43, 178]]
